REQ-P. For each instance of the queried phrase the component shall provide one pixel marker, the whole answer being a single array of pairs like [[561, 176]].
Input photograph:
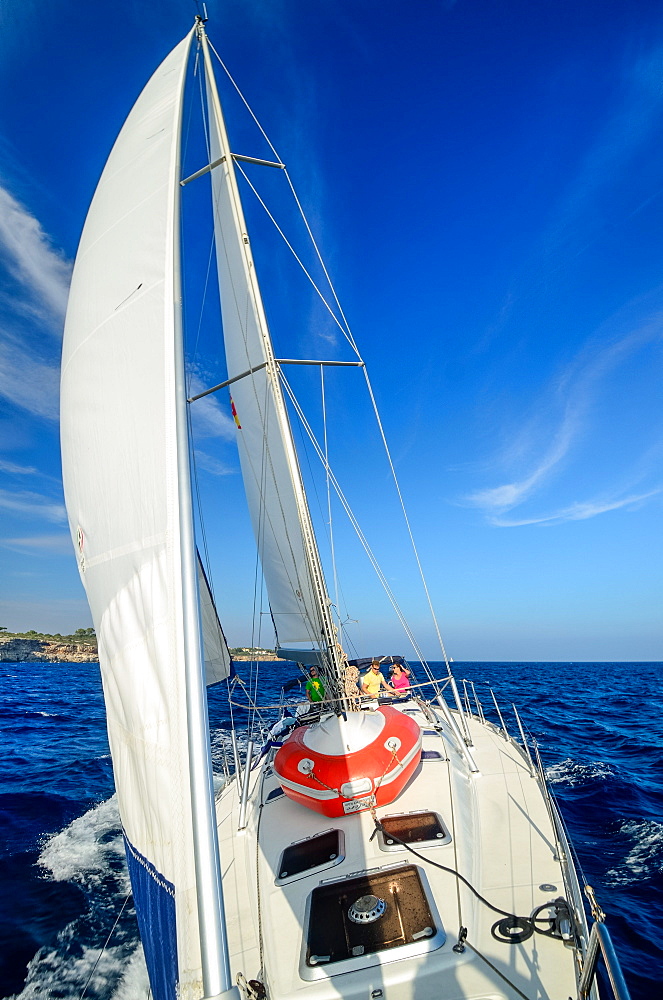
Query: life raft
[[339, 766]]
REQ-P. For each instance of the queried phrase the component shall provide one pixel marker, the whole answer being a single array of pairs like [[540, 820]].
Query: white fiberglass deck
[[502, 842]]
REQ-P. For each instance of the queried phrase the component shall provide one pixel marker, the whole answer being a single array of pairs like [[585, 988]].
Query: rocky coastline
[[46, 651], [16, 650]]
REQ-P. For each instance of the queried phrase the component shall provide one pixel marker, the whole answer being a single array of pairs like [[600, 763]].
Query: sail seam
[[150, 869]]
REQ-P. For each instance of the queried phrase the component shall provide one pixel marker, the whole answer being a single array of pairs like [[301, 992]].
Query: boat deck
[[501, 840]]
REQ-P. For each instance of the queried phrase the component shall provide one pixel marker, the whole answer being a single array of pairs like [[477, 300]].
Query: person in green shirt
[[315, 689]]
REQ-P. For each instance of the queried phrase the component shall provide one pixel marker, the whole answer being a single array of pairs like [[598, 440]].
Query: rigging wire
[[360, 534], [329, 507], [346, 329], [299, 261], [105, 945], [296, 584], [192, 451], [407, 520], [347, 333], [262, 519], [329, 700], [302, 449]]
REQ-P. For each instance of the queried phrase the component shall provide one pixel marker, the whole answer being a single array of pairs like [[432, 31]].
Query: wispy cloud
[[213, 465], [35, 264], [634, 122], [35, 282], [17, 470], [563, 417], [32, 505], [40, 543], [28, 382], [509, 495], [209, 419], [541, 451], [579, 511]]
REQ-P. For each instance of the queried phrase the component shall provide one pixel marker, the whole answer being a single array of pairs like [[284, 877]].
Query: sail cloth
[[218, 665], [120, 478], [269, 466]]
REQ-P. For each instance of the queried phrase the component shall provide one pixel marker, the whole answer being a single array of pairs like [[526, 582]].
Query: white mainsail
[[275, 494], [123, 468]]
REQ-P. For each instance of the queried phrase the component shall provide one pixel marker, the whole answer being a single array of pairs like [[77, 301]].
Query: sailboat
[[404, 848]]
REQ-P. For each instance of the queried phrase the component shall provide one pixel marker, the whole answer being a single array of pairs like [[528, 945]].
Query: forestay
[[119, 445]]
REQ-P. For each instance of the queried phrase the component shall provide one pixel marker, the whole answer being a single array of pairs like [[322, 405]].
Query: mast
[[209, 895], [326, 631]]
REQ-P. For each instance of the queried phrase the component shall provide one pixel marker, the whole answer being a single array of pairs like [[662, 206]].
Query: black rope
[[521, 921]]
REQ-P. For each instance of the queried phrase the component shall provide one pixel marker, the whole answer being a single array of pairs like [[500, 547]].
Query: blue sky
[[486, 184]]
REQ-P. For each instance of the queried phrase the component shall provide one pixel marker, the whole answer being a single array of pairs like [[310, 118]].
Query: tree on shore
[[83, 636]]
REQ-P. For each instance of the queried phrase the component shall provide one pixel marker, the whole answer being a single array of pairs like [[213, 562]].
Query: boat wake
[[89, 853]]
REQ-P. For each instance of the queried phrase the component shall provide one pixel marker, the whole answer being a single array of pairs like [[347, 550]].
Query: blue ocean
[[67, 926]]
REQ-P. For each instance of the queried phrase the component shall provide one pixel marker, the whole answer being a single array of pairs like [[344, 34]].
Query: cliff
[[46, 651], [14, 650]]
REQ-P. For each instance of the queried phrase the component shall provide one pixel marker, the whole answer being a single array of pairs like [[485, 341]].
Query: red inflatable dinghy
[[339, 766]]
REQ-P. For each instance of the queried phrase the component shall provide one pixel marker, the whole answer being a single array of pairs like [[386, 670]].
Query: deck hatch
[[275, 793], [420, 829], [405, 918], [313, 854]]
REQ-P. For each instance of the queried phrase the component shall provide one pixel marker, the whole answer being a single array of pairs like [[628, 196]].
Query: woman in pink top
[[399, 679]]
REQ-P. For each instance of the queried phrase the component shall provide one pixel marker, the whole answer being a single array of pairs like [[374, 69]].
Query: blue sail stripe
[[154, 899]]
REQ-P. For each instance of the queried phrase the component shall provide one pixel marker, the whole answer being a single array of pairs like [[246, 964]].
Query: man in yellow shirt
[[373, 681]]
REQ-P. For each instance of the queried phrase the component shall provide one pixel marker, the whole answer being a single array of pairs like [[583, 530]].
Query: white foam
[[66, 970], [135, 984], [571, 773], [82, 851], [86, 852], [645, 858]]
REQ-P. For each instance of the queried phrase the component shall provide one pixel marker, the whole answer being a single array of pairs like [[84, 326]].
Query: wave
[[644, 860], [573, 774], [65, 970], [89, 853], [83, 850]]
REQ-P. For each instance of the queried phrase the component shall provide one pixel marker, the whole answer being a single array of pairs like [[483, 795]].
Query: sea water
[[64, 889]]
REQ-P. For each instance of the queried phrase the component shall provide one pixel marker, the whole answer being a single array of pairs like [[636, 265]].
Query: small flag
[[232, 407]]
